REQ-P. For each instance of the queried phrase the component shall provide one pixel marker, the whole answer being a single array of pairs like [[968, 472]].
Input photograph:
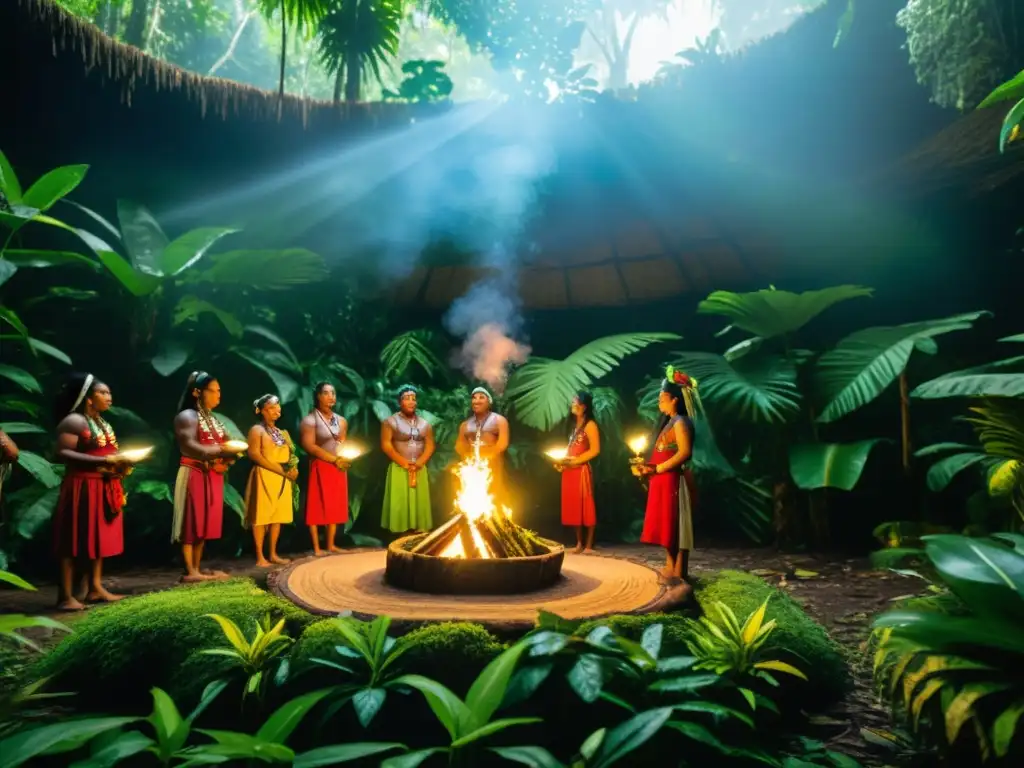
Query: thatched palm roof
[[729, 182]]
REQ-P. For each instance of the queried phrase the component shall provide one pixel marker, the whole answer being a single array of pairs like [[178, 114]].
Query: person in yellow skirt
[[269, 494]]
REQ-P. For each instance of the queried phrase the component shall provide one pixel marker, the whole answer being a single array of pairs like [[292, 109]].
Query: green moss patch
[[797, 637], [120, 651]]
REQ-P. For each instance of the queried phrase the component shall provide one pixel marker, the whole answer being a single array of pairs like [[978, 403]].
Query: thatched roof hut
[[746, 174]]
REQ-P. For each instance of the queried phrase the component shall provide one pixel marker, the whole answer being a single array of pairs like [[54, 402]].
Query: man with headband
[[489, 431], [408, 440]]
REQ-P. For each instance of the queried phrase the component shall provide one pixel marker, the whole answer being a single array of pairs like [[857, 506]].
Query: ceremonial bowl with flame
[[479, 551]]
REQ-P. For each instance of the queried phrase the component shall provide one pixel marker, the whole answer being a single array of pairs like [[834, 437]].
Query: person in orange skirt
[[578, 508], [668, 521], [199, 485], [321, 435], [88, 523]]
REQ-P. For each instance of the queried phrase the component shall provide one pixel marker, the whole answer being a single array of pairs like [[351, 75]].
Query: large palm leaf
[[1001, 378], [770, 312], [265, 270], [542, 389], [754, 388], [356, 35], [999, 424], [408, 349], [865, 363]]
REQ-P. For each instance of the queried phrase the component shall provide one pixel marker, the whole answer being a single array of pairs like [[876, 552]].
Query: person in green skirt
[[408, 440]]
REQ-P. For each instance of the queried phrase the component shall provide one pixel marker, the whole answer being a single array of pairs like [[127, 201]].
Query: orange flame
[[475, 501]]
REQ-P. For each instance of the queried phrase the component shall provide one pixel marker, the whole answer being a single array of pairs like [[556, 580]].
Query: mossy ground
[[118, 652]]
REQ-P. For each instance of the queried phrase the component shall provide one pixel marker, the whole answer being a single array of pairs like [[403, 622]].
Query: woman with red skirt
[[578, 508], [199, 486], [668, 521], [88, 523], [321, 435]]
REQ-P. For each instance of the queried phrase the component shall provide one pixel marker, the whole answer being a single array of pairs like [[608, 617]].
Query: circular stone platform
[[591, 586]]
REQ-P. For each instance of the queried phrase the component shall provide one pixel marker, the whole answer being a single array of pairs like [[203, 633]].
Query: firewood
[[469, 546], [490, 536], [435, 541]]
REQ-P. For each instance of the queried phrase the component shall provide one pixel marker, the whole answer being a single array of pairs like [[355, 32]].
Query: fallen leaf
[[766, 572], [901, 597], [878, 737], [825, 720], [800, 573]]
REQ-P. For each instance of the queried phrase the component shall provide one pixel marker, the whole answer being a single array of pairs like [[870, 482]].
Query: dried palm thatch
[[963, 158], [130, 69]]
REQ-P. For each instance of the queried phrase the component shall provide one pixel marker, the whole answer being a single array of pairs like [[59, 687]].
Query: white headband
[[484, 392], [81, 395]]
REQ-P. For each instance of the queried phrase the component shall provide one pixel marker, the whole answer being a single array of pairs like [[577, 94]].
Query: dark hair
[[403, 390], [587, 401], [196, 380], [64, 403], [674, 391], [262, 400], [318, 389]]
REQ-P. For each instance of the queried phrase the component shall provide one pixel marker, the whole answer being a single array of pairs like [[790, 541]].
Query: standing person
[[199, 487], [668, 521], [408, 440], [578, 508], [489, 430], [8, 455], [321, 435], [88, 523], [269, 492]]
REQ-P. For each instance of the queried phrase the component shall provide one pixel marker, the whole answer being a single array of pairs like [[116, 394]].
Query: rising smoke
[[488, 317]]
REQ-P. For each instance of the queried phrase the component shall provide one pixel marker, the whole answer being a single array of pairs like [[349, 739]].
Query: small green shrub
[[673, 641], [453, 653], [796, 633], [120, 651]]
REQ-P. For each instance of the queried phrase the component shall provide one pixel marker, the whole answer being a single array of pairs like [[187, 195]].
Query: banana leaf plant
[[957, 674], [864, 364], [258, 660], [541, 389]]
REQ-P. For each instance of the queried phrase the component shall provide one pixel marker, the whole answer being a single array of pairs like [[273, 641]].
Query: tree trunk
[[353, 77], [339, 79], [284, 49], [135, 30], [905, 421]]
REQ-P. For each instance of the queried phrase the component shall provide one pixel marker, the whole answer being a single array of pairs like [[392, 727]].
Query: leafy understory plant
[[951, 674], [10, 623], [725, 647], [374, 653], [470, 721], [255, 659], [168, 740]]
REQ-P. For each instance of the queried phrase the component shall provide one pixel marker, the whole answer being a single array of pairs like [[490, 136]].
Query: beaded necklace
[[332, 426], [102, 433], [210, 424], [275, 434]]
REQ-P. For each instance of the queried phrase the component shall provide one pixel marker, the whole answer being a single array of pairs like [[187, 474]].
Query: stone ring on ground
[[591, 586]]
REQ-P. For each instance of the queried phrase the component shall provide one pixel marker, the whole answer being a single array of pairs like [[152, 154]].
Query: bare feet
[[588, 551], [579, 548], [216, 575], [101, 595], [71, 604], [261, 563], [192, 578], [318, 553], [335, 548], [279, 560]]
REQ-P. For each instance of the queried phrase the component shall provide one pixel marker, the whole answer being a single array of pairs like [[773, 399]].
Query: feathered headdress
[[688, 386]]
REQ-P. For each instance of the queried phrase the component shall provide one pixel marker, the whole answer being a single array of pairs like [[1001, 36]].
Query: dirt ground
[[842, 594]]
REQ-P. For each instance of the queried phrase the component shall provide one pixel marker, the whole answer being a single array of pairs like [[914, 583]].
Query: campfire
[[480, 529]]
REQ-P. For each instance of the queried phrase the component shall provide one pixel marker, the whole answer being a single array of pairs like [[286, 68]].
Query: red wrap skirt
[[578, 496], [326, 494], [202, 517], [88, 521]]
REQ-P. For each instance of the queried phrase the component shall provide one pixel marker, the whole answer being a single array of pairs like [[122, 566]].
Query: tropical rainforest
[[858, 574]]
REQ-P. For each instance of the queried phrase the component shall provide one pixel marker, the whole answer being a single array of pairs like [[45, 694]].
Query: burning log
[[436, 541], [469, 547], [493, 540]]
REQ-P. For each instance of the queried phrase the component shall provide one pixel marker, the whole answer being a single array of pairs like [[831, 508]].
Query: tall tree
[[612, 27], [303, 15], [356, 35]]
